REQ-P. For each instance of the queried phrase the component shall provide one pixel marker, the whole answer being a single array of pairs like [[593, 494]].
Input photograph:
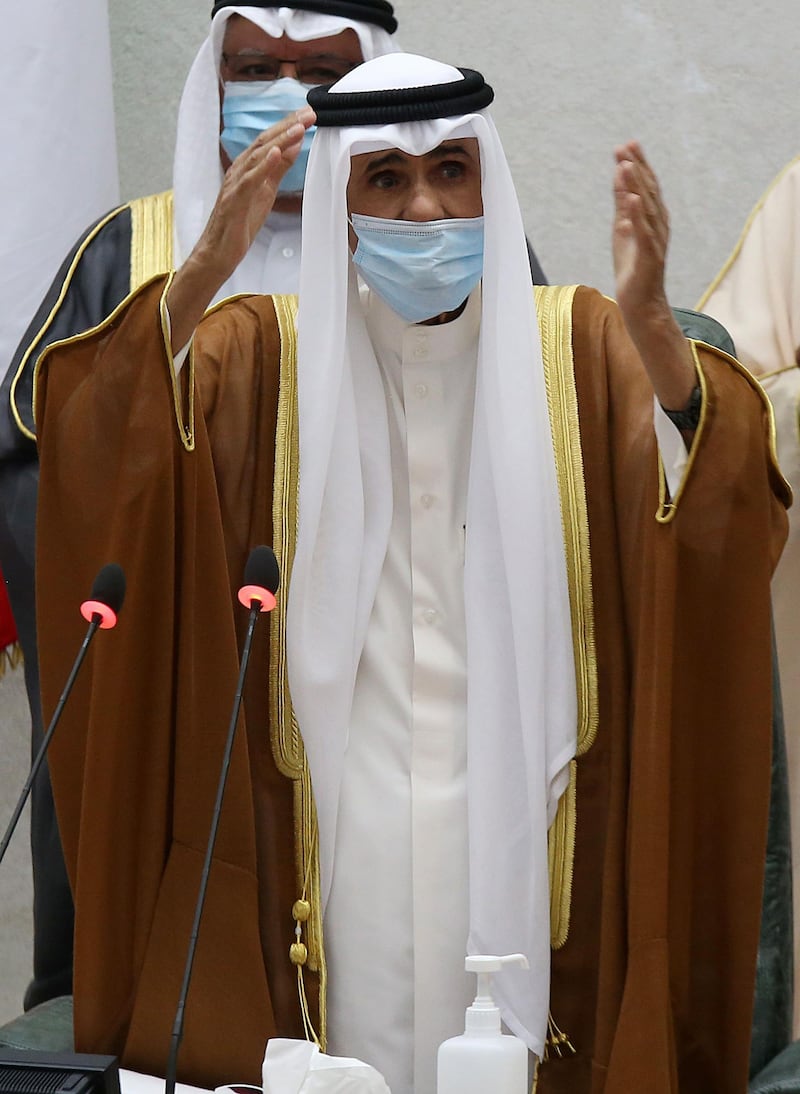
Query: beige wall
[[710, 89]]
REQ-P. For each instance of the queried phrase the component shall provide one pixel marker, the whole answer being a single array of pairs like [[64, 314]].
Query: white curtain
[[57, 143]]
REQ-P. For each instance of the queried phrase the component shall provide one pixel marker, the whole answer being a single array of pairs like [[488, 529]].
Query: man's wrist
[[689, 416]]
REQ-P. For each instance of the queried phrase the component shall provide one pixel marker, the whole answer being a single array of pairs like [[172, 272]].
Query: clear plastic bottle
[[483, 1059]]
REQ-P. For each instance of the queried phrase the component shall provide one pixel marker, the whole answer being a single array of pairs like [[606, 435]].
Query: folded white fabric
[[298, 1067]]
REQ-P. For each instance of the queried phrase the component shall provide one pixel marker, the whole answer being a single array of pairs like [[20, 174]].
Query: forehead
[[463, 148], [243, 36]]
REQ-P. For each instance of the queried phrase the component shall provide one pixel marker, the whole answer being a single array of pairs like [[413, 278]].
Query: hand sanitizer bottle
[[483, 1059]]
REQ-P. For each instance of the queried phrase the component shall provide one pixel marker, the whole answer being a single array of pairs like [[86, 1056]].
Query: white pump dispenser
[[483, 1059]]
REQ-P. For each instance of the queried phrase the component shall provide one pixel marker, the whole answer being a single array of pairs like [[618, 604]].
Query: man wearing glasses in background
[[255, 66]]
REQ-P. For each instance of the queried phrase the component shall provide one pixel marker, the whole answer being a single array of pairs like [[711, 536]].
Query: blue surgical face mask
[[250, 107], [420, 269]]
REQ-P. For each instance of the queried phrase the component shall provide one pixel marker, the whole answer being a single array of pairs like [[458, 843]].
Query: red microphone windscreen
[[261, 579], [106, 597]]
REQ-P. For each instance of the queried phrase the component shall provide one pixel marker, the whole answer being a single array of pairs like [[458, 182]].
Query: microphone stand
[[177, 1028], [93, 625]]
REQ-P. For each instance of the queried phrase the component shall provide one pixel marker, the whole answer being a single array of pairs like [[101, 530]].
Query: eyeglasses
[[322, 69]]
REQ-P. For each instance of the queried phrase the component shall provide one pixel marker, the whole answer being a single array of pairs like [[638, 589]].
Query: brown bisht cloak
[[657, 854]]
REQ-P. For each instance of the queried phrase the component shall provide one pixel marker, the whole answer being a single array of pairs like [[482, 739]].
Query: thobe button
[[288, 252], [427, 501], [430, 615], [421, 352], [421, 390]]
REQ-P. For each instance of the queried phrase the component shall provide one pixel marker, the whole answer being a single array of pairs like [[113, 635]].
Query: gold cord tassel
[[298, 954], [556, 1040]]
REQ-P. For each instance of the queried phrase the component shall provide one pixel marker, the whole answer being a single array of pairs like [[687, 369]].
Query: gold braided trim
[[287, 745], [103, 325], [286, 741], [700, 305], [762, 376], [554, 309], [184, 423], [668, 506], [151, 237], [560, 860], [723, 273], [151, 253], [45, 326], [754, 383]]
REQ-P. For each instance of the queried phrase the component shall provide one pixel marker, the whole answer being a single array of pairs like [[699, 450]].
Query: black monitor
[[23, 1071]]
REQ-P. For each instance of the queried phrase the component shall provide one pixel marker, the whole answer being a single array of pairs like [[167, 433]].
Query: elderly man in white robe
[[499, 522], [261, 60]]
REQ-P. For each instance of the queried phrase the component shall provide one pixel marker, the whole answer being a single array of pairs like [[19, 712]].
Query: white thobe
[[272, 264], [397, 917]]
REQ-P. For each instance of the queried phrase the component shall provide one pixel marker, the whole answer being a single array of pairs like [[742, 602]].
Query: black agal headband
[[379, 12], [405, 104]]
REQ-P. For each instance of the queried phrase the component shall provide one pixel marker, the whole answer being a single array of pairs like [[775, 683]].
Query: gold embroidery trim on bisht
[[287, 745], [151, 237], [82, 336], [151, 254], [554, 311], [184, 422], [667, 506], [560, 858], [45, 326]]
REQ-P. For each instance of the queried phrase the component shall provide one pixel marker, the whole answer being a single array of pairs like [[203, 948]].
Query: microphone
[[101, 610], [261, 581], [105, 599]]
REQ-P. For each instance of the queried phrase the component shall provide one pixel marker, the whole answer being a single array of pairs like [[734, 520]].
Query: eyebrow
[[393, 156], [249, 52], [443, 150]]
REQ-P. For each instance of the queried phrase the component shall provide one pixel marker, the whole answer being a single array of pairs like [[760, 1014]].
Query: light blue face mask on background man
[[250, 107], [420, 269]]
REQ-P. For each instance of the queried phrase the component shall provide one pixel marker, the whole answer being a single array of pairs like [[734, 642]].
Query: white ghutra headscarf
[[521, 700], [197, 171]]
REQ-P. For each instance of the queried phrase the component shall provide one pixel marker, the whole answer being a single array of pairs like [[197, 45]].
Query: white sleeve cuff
[[178, 358], [671, 446]]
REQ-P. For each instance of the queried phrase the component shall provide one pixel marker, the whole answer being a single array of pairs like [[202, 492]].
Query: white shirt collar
[[388, 331]]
